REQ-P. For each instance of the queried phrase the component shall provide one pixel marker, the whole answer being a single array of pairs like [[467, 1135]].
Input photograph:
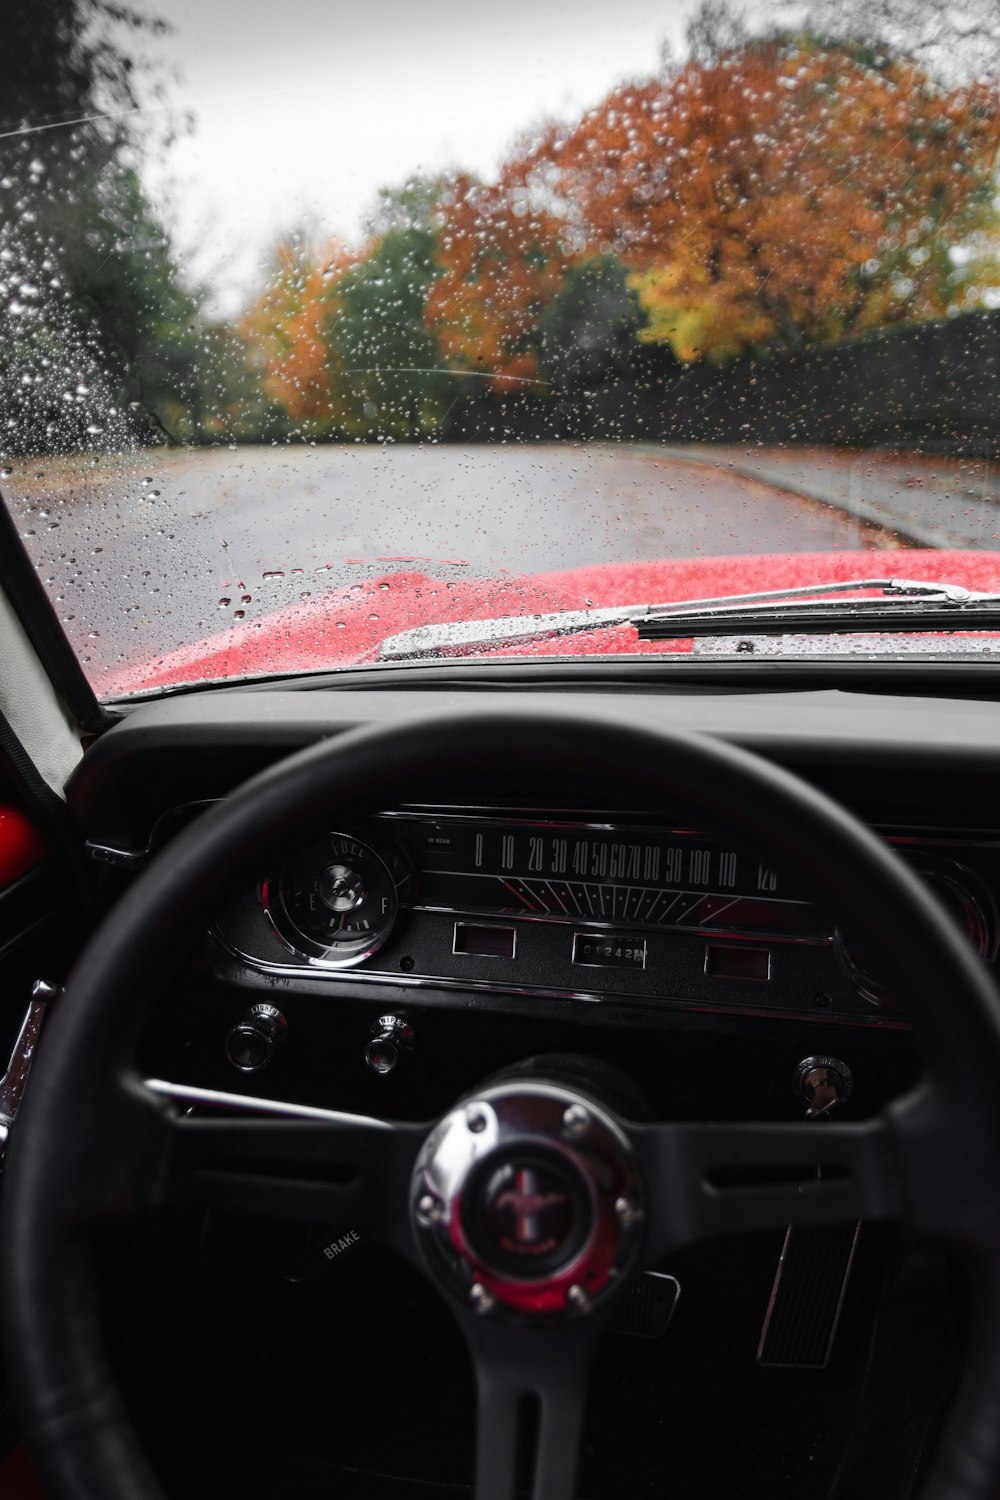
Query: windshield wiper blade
[[904, 605]]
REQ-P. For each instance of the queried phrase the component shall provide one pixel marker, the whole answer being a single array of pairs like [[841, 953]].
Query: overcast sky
[[304, 108]]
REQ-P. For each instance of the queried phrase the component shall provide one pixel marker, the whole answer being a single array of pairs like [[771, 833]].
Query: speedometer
[[640, 878], [338, 899]]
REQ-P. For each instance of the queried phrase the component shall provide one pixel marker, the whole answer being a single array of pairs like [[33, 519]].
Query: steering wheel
[[93, 1143]]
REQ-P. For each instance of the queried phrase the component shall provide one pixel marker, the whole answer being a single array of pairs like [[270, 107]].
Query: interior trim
[[27, 598]]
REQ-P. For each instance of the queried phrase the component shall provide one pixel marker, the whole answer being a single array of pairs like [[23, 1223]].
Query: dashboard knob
[[254, 1040], [821, 1083], [392, 1039]]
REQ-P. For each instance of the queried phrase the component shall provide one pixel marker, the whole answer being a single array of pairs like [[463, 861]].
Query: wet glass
[[323, 325]]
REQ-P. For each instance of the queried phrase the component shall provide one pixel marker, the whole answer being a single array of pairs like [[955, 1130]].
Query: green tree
[[389, 375], [98, 336], [409, 206], [588, 332]]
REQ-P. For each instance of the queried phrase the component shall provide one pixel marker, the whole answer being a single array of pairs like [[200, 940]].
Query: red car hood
[[344, 627]]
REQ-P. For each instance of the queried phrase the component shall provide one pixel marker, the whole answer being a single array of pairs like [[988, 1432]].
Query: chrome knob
[[341, 888], [392, 1039], [254, 1040]]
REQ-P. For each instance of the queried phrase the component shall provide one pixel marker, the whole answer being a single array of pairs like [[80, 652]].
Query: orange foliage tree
[[786, 190], [284, 330], [502, 263]]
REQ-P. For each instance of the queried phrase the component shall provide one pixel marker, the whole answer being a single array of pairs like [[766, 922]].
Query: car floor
[[357, 1384]]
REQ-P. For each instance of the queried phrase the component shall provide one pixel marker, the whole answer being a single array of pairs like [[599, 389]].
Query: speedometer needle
[[518, 895]]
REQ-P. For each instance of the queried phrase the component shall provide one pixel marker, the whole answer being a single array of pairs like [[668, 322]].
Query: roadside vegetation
[[764, 192]]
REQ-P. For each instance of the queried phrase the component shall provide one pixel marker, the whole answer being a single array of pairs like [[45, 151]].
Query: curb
[[909, 530]]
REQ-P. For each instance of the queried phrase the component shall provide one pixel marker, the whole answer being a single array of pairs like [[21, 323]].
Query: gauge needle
[[518, 895]]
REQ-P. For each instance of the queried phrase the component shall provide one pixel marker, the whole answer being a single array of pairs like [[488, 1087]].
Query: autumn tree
[[285, 331], [785, 190], [502, 262]]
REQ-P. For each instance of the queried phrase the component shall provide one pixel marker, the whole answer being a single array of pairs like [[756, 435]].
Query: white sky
[[304, 108]]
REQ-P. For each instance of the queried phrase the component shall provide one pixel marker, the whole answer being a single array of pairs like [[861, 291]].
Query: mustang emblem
[[526, 1201]]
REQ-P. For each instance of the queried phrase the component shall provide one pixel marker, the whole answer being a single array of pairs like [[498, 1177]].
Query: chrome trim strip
[[317, 970], [483, 812], [521, 816], [186, 1093], [14, 1081], [537, 992], [134, 859], [607, 822], [900, 833], [107, 854]]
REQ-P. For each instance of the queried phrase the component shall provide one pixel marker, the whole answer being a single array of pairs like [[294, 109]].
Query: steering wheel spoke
[[531, 1389], [290, 1161], [706, 1179]]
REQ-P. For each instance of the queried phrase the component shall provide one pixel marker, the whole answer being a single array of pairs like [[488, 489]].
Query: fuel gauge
[[338, 899]]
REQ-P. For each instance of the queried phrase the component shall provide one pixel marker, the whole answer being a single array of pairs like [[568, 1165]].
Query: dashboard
[[565, 890], [481, 919]]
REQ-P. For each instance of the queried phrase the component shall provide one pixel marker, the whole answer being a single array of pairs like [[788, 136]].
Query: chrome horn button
[[527, 1200]]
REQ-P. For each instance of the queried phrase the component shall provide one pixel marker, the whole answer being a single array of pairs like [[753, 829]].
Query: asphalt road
[[138, 555]]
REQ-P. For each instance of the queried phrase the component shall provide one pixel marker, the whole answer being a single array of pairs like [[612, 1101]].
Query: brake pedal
[[645, 1308]]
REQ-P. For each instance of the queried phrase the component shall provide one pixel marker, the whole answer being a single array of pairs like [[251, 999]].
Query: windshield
[[321, 324]]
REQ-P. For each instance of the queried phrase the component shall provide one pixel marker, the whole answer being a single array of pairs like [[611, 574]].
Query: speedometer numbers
[[338, 900], [607, 878]]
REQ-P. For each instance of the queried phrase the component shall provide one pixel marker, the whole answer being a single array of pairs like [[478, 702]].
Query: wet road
[[138, 557]]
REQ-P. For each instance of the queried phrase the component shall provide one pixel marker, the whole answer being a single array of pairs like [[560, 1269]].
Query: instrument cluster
[[620, 910]]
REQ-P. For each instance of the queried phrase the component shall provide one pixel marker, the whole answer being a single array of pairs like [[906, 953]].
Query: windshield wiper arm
[[905, 605]]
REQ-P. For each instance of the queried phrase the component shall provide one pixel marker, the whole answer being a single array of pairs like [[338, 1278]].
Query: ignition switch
[[821, 1083]]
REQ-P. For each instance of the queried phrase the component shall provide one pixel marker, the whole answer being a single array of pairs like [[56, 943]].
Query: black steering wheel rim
[[68, 1161]]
